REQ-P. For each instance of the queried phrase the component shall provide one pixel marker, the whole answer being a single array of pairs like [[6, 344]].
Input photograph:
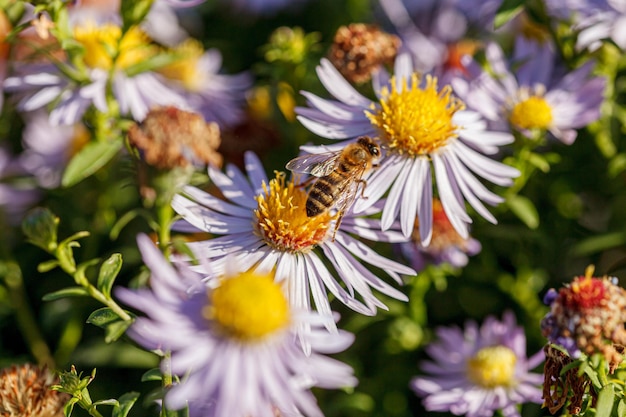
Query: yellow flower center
[[248, 306], [281, 218], [532, 113], [416, 120], [492, 367], [80, 138], [185, 68], [105, 47]]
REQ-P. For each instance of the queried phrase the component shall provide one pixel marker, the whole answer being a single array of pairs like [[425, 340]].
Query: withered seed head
[[358, 50], [25, 392], [170, 137]]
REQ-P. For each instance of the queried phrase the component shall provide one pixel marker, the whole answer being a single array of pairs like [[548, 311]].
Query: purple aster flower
[[536, 95], [476, 371], [263, 225], [48, 148], [196, 76], [234, 344], [446, 246], [44, 84], [433, 31], [593, 21], [421, 127], [17, 191], [262, 7]]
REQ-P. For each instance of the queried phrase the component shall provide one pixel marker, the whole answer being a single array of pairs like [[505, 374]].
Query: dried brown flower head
[[359, 49], [25, 392], [170, 137], [558, 388]]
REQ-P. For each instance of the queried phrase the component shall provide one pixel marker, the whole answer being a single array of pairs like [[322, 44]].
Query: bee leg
[[337, 223], [364, 182], [306, 182]]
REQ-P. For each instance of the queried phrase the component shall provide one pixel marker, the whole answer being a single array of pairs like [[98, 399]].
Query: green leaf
[[539, 161], [126, 402], [115, 330], [606, 399], [108, 272], [40, 227], [111, 401], [507, 11], [102, 317], [47, 266], [524, 209], [90, 159], [66, 292], [153, 374]]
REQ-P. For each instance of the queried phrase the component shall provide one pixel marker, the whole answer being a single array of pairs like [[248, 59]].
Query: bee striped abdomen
[[325, 190]]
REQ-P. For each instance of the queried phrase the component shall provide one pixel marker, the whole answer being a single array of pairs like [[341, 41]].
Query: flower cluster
[[588, 315]]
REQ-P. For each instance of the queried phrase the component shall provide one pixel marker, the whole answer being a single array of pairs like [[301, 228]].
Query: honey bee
[[337, 176]]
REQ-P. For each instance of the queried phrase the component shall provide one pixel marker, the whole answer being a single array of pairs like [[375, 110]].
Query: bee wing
[[352, 191], [316, 164]]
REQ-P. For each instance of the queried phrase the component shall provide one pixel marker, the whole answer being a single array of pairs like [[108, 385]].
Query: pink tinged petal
[[379, 80], [392, 205], [208, 220], [412, 195], [255, 171], [462, 176], [362, 275], [333, 109], [336, 130], [317, 267], [403, 69], [379, 181], [618, 31], [475, 186], [370, 230], [234, 186], [349, 274], [496, 172], [367, 254], [213, 203], [497, 60], [425, 208], [320, 298], [331, 342], [450, 199], [40, 98], [486, 141], [335, 84], [297, 285], [269, 261]]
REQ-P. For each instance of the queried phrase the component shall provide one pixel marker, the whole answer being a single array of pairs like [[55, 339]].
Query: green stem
[[25, 317], [167, 380], [97, 295], [165, 213]]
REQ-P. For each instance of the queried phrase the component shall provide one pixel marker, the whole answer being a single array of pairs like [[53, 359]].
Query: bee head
[[372, 147]]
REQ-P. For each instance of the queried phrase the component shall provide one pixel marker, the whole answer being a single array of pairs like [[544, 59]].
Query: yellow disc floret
[[416, 120], [185, 68], [281, 218], [105, 47], [492, 367], [248, 306], [531, 113]]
